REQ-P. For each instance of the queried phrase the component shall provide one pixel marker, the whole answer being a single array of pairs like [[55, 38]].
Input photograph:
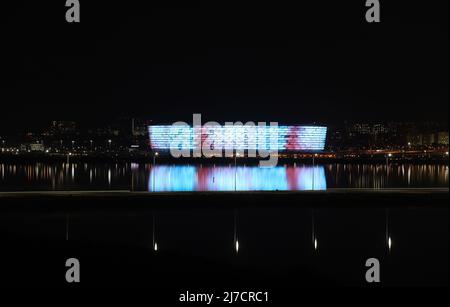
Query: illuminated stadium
[[239, 137]]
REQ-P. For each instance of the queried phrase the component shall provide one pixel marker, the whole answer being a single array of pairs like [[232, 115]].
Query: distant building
[[139, 127], [360, 128], [414, 139], [379, 129], [429, 139], [36, 147], [442, 138], [62, 127]]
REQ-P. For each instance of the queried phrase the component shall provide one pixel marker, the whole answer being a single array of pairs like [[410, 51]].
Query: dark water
[[241, 249], [233, 248], [144, 177]]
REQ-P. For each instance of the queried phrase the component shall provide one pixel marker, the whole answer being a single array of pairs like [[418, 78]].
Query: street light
[[109, 143], [388, 236], [313, 167], [155, 244], [235, 170], [153, 170], [389, 155], [236, 240], [313, 231], [154, 158]]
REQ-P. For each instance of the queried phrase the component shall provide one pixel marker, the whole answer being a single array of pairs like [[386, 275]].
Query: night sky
[[298, 64]]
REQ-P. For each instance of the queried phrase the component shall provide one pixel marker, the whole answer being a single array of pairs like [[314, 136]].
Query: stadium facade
[[239, 137]]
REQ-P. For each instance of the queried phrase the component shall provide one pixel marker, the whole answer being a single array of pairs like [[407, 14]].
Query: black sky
[[303, 63]]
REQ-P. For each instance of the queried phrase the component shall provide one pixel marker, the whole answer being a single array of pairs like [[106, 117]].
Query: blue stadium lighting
[[191, 178], [289, 138]]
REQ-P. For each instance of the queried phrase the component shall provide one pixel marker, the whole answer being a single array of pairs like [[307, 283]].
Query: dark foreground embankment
[[126, 201]]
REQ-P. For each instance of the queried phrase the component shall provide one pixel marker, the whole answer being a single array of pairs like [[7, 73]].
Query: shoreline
[[440, 160]]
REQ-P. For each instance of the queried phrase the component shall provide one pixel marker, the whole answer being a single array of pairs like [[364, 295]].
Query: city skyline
[[134, 135], [130, 121]]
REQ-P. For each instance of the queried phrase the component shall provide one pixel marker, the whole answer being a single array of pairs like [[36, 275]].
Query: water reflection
[[236, 239], [145, 177], [266, 241], [388, 234], [154, 243], [194, 178], [313, 231]]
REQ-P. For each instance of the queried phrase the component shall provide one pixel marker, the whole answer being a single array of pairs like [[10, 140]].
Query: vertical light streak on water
[[172, 178]]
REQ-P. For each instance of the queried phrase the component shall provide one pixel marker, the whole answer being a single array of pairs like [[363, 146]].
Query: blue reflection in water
[[194, 178], [173, 178]]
